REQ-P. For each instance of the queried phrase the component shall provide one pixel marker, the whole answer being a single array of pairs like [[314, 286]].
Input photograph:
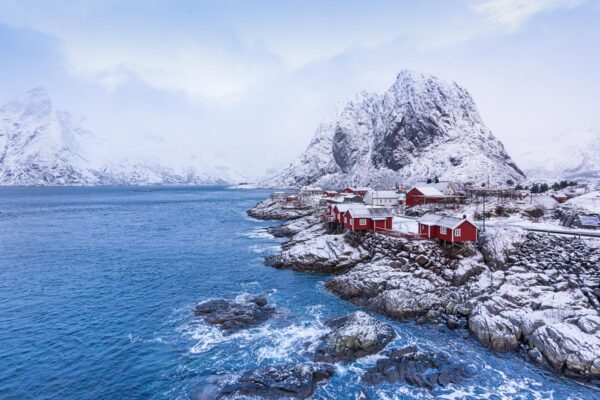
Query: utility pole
[[483, 228]]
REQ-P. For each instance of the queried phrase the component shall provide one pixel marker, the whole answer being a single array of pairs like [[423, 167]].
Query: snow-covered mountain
[[574, 155], [40, 145], [421, 127]]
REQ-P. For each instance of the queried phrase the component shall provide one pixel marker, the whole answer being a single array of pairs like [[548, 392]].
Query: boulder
[[417, 368], [353, 336], [494, 331], [297, 381], [241, 313]]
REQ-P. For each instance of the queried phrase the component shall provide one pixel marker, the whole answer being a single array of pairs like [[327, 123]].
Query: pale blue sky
[[230, 81]]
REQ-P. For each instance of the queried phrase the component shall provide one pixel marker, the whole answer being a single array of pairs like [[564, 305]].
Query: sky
[[245, 84]]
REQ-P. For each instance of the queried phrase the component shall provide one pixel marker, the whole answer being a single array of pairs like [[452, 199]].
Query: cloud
[[513, 13]]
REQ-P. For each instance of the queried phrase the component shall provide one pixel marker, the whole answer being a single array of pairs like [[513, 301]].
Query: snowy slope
[[574, 156], [40, 145], [421, 127]]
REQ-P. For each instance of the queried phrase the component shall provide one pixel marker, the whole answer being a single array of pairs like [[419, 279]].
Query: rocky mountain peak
[[421, 127]]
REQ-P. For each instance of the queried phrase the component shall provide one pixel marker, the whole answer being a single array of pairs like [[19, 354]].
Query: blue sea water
[[98, 285]]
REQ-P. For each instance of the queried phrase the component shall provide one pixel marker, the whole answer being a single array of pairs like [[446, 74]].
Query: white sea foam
[[264, 248], [258, 233]]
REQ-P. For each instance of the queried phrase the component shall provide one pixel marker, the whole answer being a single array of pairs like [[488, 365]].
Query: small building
[[368, 218], [586, 221], [358, 191], [560, 197], [448, 229], [446, 187], [384, 198], [423, 195], [278, 196], [544, 201], [311, 191], [291, 200], [330, 193], [339, 211]]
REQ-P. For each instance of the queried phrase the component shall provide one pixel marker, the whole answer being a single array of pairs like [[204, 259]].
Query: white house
[[387, 198]]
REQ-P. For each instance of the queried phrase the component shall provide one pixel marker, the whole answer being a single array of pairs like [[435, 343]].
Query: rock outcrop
[[537, 293], [548, 300], [353, 336], [417, 368], [279, 382], [270, 209], [243, 312]]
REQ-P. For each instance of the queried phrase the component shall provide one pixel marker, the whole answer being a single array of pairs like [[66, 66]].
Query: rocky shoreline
[[532, 293]]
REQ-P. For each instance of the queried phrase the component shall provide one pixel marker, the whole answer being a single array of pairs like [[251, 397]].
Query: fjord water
[[98, 285]]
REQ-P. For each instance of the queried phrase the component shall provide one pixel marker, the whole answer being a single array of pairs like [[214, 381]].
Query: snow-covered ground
[[404, 224], [588, 202]]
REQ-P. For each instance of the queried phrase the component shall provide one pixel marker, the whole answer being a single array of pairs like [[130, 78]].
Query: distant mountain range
[[40, 145], [420, 128], [574, 155]]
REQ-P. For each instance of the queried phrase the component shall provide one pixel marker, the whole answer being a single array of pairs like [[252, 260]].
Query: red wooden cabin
[[423, 195], [449, 229], [368, 219]]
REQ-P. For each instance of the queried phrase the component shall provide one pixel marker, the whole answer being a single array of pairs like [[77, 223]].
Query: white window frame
[[362, 222], [443, 230], [457, 233]]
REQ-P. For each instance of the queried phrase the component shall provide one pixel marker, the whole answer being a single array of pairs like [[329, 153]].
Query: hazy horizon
[[228, 82]]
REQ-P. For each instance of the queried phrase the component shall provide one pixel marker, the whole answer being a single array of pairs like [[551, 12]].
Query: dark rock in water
[[353, 336], [279, 382], [241, 313], [418, 368]]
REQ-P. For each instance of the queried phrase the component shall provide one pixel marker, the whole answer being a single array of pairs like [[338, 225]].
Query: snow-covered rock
[[421, 127], [353, 336], [271, 209]]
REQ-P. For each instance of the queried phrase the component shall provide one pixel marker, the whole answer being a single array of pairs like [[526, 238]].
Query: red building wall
[[415, 197]]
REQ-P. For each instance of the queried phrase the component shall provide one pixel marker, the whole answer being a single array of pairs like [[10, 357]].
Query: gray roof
[[428, 191], [376, 213]]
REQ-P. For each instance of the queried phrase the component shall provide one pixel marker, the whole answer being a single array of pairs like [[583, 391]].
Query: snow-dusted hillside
[[574, 156], [40, 145], [421, 127]]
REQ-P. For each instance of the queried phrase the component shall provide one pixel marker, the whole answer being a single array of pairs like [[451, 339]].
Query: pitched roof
[[375, 213], [442, 220], [343, 207], [384, 194], [428, 191]]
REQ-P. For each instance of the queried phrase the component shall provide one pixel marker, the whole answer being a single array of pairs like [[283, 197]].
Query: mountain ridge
[[40, 145]]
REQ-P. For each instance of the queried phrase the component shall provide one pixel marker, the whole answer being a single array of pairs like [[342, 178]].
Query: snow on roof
[[588, 220], [375, 213], [384, 194], [311, 189], [362, 189], [442, 220], [545, 201], [347, 206], [441, 186], [428, 191]]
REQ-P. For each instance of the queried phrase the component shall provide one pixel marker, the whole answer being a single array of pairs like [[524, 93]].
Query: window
[[457, 232], [363, 222], [443, 230]]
